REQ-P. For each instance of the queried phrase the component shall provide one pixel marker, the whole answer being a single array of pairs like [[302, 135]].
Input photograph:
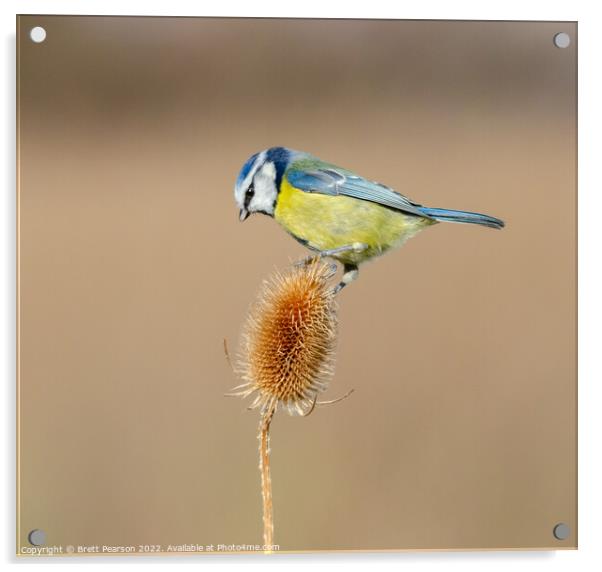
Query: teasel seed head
[[288, 344]]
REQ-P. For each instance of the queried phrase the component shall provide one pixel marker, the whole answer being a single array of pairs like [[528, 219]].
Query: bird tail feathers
[[446, 215]]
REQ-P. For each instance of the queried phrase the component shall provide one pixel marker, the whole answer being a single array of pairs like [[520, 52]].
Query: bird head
[[258, 183]]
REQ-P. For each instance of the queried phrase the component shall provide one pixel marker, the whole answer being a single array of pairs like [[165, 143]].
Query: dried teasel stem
[[266, 478]]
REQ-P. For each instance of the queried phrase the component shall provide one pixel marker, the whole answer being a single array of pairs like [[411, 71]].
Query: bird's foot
[[350, 271], [307, 260], [332, 269]]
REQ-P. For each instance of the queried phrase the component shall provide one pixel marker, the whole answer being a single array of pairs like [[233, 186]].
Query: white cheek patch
[[265, 189]]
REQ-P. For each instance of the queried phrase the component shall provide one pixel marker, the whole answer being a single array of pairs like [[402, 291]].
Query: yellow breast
[[325, 222]]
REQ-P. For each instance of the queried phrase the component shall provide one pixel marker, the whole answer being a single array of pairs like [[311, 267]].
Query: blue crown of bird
[[334, 212]]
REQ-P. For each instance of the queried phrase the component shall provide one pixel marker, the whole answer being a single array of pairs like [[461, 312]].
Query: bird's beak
[[244, 214]]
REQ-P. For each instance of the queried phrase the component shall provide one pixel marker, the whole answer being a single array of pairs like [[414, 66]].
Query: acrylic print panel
[[460, 432]]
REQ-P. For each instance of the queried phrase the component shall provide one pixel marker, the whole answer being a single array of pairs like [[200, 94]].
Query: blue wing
[[334, 181]]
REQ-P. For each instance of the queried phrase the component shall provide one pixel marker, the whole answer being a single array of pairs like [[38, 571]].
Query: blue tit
[[334, 212]]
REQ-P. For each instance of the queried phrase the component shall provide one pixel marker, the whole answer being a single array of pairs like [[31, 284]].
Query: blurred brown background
[[461, 432]]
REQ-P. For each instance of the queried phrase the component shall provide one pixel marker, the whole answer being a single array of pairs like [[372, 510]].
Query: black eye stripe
[[249, 195]]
